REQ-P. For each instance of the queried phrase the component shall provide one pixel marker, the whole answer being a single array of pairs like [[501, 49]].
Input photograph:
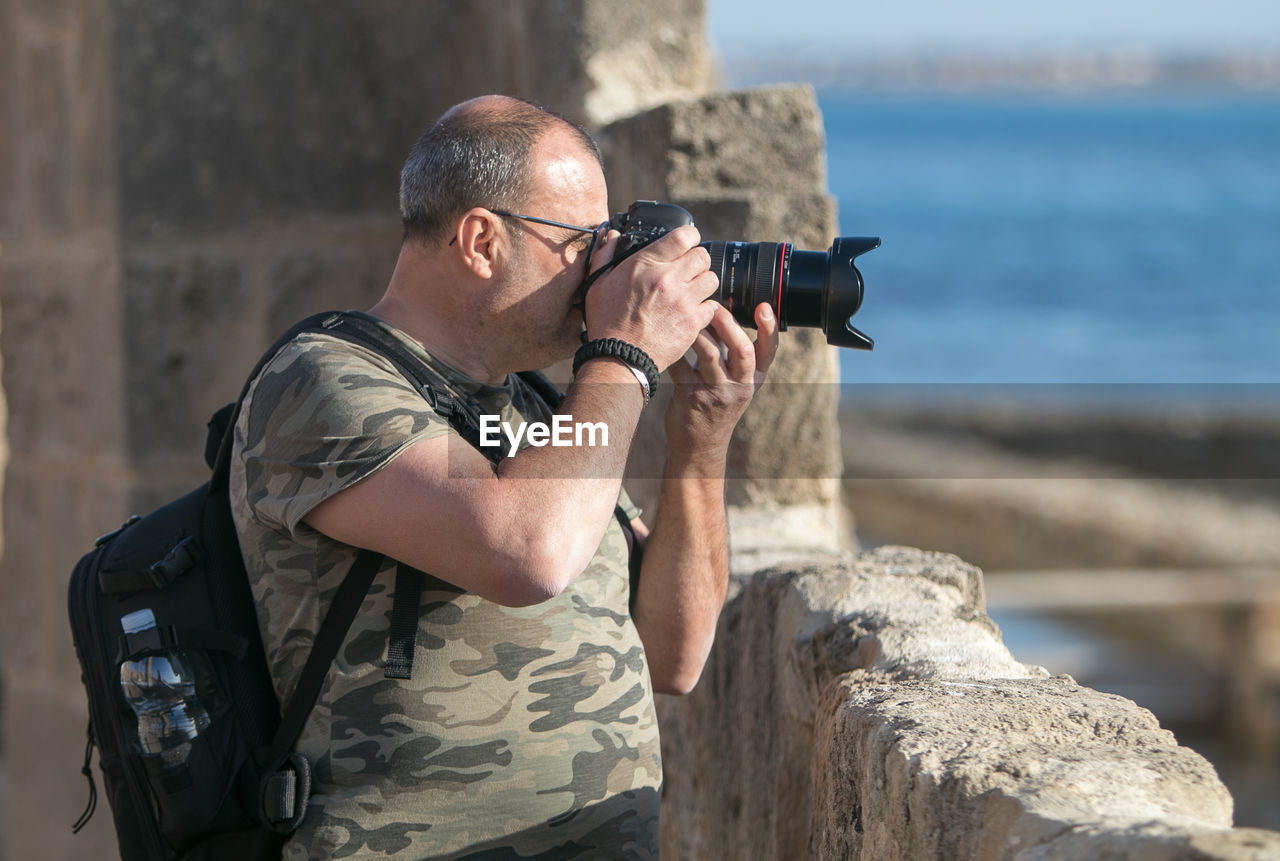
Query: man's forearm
[[562, 489], [685, 572]]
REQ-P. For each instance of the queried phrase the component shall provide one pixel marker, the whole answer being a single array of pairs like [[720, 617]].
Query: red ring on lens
[[783, 248]]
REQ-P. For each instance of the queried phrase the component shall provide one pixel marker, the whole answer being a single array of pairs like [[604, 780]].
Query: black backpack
[[242, 789]]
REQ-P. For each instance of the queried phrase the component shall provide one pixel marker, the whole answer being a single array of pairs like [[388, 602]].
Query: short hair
[[476, 154]]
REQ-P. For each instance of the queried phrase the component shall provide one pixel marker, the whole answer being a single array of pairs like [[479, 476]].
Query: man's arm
[[686, 558], [518, 534]]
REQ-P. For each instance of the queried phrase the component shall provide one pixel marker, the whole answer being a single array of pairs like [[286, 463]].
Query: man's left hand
[[711, 395]]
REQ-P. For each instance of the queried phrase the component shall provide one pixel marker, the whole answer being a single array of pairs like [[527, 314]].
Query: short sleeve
[[323, 415]]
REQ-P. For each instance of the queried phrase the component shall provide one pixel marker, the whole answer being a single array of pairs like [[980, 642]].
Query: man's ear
[[480, 241]]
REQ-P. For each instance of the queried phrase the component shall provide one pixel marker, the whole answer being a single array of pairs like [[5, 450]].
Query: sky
[[1003, 26]]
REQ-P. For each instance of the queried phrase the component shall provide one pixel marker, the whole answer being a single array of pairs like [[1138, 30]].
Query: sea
[[1080, 243]]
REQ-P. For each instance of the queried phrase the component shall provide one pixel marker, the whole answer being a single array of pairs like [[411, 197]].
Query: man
[[527, 728]]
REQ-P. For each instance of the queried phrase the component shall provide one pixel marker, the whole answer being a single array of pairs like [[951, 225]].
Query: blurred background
[[1076, 379]]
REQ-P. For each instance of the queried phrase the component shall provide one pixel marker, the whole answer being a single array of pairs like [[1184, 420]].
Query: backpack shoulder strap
[[230, 414], [461, 414], [286, 776]]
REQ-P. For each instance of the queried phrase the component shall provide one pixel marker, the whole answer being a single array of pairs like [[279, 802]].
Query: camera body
[[804, 288], [645, 221]]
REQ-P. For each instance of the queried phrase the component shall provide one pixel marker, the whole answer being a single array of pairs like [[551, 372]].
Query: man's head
[[479, 153], [502, 202]]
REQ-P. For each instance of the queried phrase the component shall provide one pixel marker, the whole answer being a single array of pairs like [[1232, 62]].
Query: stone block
[[62, 358], [351, 270], [49, 13], [241, 110], [94, 170], [47, 196], [744, 737], [234, 112], [637, 55], [9, 122], [1004, 769], [805, 219], [712, 145], [57, 168], [553, 77], [189, 321], [201, 313]]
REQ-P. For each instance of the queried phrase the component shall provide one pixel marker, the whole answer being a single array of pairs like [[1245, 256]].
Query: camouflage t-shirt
[[523, 732]]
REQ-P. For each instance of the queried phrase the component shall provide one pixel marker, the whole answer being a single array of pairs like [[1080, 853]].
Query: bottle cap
[[138, 620]]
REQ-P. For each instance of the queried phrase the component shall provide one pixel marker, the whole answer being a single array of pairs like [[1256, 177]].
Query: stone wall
[[865, 708], [68, 475]]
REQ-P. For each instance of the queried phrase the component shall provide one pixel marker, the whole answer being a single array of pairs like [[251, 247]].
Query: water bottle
[[161, 689]]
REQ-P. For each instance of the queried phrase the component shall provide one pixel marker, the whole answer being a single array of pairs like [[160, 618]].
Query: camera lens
[[749, 273], [804, 288]]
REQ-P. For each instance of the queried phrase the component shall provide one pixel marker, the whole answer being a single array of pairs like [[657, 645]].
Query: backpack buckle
[[284, 792], [180, 559]]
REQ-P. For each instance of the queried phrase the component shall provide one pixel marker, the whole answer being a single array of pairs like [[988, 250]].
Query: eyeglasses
[[596, 232]]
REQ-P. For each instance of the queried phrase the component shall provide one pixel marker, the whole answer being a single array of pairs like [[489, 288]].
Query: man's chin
[[566, 342]]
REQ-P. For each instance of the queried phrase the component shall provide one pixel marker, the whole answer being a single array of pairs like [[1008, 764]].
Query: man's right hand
[[656, 299]]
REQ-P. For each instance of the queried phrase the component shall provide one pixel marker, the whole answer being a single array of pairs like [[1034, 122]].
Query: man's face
[[542, 280]]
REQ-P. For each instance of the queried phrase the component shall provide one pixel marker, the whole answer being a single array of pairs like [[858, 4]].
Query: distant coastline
[[1055, 71]]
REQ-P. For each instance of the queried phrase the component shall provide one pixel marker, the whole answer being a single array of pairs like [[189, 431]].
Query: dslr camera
[[819, 289]]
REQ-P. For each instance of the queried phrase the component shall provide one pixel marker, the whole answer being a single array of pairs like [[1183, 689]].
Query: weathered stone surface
[[744, 738], [62, 366], [349, 270], [995, 769], [201, 313], [9, 165], [874, 696], [47, 138], [237, 111], [183, 314], [636, 55], [712, 145], [4, 438]]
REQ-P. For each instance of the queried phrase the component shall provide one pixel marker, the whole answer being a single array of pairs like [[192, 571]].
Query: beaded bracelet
[[635, 358]]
